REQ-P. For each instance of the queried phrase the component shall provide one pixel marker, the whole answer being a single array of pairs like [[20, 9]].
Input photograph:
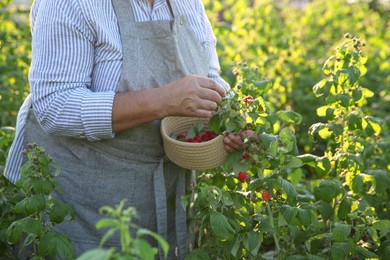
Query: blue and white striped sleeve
[[60, 74], [211, 43]]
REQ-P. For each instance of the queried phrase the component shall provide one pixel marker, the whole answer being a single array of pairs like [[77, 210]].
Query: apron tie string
[[160, 197], [162, 212]]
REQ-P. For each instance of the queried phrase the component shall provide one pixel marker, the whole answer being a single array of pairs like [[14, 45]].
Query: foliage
[[312, 183], [15, 55], [37, 212], [120, 220], [336, 211]]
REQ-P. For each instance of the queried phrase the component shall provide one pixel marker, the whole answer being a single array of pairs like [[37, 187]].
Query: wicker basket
[[194, 156]]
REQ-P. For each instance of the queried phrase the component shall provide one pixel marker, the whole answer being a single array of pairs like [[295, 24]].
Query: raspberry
[[245, 156], [242, 176], [265, 195]]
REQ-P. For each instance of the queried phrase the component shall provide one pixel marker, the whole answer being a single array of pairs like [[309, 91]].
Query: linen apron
[[132, 165]]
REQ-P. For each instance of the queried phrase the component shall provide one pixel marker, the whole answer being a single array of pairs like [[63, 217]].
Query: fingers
[[232, 142], [212, 85]]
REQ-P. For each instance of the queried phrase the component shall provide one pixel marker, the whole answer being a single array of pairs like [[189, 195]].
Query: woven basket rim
[[198, 156]]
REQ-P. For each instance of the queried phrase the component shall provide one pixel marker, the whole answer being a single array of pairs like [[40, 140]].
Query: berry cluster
[[204, 137]]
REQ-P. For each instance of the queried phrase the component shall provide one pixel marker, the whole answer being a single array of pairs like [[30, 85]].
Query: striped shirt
[[76, 65]]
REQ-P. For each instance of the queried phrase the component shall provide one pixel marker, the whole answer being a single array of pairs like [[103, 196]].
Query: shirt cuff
[[214, 75], [96, 115]]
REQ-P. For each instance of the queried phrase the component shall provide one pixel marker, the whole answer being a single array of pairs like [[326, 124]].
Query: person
[[103, 74]]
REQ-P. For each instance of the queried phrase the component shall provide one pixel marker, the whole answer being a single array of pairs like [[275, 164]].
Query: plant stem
[[273, 226]]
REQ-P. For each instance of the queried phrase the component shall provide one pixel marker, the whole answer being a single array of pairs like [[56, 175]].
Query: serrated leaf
[[58, 212], [52, 243], [344, 208], [341, 232], [220, 225], [237, 245], [32, 226], [304, 217], [289, 212], [252, 242], [327, 190], [289, 189], [339, 250], [14, 232], [365, 253], [325, 209], [383, 226]]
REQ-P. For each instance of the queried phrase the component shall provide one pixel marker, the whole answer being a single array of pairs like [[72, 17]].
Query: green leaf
[[339, 250], [372, 126], [323, 166], [215, 123], [365, 253], [304, 217], [220, 225], [144, 249], [322, 87], [237, 245], [289, 189], [59, 212], [327, 190], [344, 208], [341, 232], [97, 254], [107, 222], [31, 205], [195, 129], [163, 244], [263, 86], [196, 254], [15, 231], [383, 226], [326, 210], [382, 180], [289, 212], [107, 236], [354, 122], [52, 243], [293, 162], [287, 138], [252, 242], [32, 226], [290, 116]]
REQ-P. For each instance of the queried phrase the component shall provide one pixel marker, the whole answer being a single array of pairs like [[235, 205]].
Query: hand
[[233, 142], [192, 96]]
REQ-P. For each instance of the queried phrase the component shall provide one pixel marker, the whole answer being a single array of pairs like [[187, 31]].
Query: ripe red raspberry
[[242, 176], [265, 196], [365, 238], [248, 100], [197, 139], [180, 137], [245, 156]]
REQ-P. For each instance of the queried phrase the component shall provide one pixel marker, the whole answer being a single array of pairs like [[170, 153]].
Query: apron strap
[[172, 8], [181, 217], [161, 211], [123, 9], [160, 197]]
